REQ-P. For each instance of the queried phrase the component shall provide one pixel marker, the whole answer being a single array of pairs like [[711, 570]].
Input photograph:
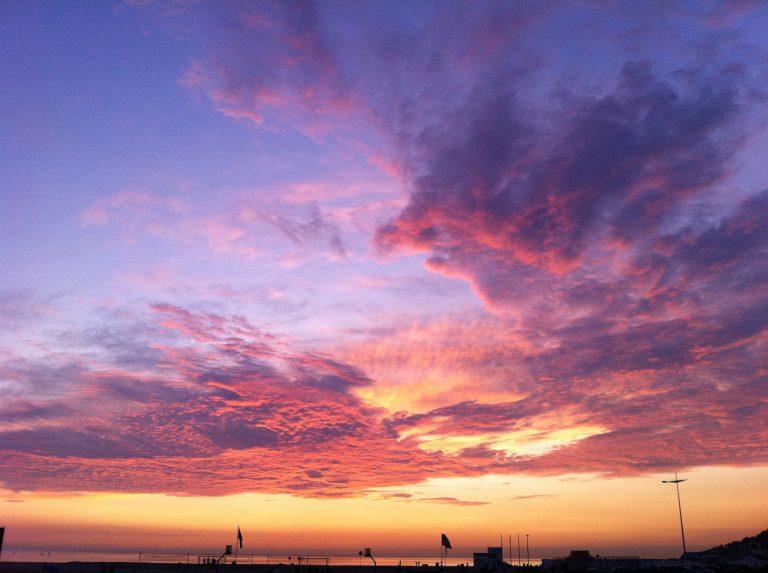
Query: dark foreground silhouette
[[750, 555]]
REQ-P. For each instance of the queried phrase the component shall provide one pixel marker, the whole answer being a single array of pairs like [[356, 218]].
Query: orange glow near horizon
[[606, 515]]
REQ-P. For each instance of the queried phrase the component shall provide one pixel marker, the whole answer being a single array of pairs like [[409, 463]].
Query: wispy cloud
[[282, 70], [21, 306], [452, 501], [247, 228]]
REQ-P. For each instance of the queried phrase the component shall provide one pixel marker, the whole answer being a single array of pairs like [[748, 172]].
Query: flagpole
[[444, 543]]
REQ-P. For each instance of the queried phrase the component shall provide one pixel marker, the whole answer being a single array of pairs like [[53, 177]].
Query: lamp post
[[677, 483], [527, 551]]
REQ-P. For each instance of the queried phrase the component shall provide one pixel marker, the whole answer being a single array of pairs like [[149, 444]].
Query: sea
[[137, 557]]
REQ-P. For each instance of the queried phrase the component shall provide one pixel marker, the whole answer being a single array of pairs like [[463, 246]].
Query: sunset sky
[[354, 274]]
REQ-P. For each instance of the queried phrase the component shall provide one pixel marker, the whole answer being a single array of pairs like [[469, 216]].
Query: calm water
[[114, 556]]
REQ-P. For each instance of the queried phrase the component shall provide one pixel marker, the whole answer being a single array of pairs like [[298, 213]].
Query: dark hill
[[750, 555], [756, 546]]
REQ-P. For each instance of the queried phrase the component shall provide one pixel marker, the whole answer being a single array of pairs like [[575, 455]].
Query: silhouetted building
[[491, 559], [582, 560]]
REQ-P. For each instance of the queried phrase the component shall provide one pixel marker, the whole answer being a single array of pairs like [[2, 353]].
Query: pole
[[677, 482], [510, 548], [527, 551], [519, 559], [680, 509]]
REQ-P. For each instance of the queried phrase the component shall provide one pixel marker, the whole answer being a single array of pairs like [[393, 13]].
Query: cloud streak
[[245, 229]]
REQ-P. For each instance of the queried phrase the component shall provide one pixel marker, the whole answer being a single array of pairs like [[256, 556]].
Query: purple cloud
[[21, 306]]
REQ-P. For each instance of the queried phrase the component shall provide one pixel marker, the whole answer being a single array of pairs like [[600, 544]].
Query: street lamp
[[527, 551], [679, 506]]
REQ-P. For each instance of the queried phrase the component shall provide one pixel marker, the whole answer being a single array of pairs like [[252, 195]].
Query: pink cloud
[[148, 207], [246, 228], [452, 501], [282, 68], [549, 208], [19, 307], [216, 393], [163, 404]]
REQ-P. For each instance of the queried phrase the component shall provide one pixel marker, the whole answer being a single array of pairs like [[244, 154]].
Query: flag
[[239, 537], [445, 542]]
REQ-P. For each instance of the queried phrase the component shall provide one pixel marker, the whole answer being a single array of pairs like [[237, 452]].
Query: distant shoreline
[[128, 567]]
